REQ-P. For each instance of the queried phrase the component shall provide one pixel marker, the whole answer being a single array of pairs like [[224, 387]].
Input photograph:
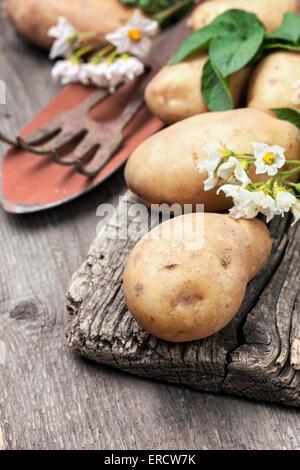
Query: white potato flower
[[66, 71], [122, 70], [247, 204], [65, 39], [133, 67], [215, 153], [93, 74], [285, 201], [104, 74], [135, 36], [265, 203], [232, 190], [233, 171], [268, 159]]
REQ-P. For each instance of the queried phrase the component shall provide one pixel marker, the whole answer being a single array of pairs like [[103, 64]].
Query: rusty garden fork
[[98, 141]]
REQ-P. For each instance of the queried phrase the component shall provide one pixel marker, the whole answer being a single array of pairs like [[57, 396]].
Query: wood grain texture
[[1, 440], [51, 398]]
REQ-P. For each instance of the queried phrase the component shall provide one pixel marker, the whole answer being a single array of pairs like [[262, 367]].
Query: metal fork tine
[[56, 125], [99, 159], [64, 161], [42, 133], [80, 152], [65, 138]]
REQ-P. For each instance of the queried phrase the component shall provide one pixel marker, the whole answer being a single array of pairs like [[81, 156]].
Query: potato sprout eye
[[135, 34], [269, 158]]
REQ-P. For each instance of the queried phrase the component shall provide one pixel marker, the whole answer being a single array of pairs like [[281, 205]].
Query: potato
[[182, 292], [163, 169], [34, 18], [270, 12], [175, 92], [274, 82]]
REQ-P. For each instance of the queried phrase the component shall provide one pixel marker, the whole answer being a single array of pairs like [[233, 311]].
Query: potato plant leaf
[[215, 90], [197, 41], [289, 30], [288, 114], [281, 45], [230, 54], [233, 39]]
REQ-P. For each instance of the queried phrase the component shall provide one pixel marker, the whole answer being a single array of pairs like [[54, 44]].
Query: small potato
[[270, 12], [34, 18], [273, 82], [175, 92], [163, 169], [182, 292]]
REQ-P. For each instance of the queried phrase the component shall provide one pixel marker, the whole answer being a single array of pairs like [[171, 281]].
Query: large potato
[[270, 12], [183, 292], [164, 167], [34, 18], [175, 92], [275, 82]]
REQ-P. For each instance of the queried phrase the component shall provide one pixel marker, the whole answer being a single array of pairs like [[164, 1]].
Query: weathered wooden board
[[256, 355], [51, 398]]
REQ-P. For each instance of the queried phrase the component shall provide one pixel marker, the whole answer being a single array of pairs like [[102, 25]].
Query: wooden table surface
[[52, 399]]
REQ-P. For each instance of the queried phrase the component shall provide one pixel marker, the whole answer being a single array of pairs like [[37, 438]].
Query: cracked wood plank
[[251, 357]]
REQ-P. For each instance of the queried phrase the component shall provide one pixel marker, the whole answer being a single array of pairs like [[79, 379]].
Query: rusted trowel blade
[[32, 183]]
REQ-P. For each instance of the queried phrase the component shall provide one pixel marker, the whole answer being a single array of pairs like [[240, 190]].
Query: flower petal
[[260, 167]]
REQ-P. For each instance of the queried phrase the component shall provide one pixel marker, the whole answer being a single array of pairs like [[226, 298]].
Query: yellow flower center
[[269, 158], [223, 152], [135, 35]]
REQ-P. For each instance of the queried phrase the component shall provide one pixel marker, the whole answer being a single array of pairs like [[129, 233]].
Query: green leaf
[[233, 39], [194, 43], [221, 27], [288, 114], [215, 90], [230, 54], [288, 31], [281, 45]]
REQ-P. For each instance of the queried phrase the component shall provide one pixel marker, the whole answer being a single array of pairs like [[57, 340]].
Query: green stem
[[81, 52], [100, 54], [286, 174], [111, 57], [243, 155], [292, 162], [165, 14]]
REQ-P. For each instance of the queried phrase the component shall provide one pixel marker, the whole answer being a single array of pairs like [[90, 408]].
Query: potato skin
[[271, 85], [181, 294], [270, 12], [175, 92], [34, 18], [163, 169]]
